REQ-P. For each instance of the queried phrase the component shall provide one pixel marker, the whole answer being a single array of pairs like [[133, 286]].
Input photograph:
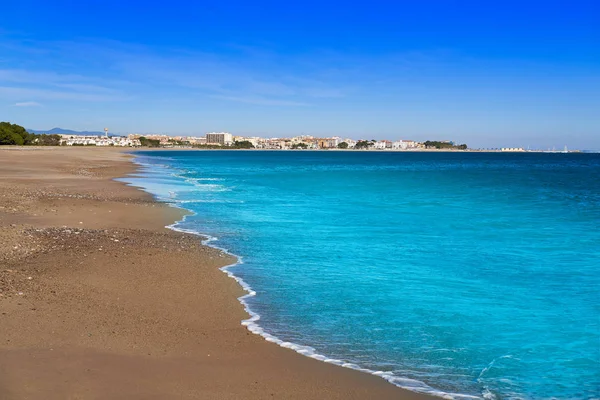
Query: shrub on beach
[[13, 134]]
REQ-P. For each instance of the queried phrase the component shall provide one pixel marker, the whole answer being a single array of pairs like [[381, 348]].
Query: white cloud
[[28, 104]]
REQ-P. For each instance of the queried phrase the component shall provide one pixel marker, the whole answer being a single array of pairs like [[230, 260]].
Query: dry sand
[[99, 301]]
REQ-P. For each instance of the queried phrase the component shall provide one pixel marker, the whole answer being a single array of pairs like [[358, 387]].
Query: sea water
[[457, 274]]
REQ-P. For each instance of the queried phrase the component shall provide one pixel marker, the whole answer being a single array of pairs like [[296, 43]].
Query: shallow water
[[462, 273]]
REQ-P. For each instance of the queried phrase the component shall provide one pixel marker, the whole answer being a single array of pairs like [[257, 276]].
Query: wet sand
[[99, 301]]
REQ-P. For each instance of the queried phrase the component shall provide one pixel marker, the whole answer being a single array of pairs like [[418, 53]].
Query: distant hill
[[60, 131]]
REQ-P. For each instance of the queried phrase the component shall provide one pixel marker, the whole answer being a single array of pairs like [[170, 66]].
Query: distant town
[[228, 140], [216, 140], [12, 134]]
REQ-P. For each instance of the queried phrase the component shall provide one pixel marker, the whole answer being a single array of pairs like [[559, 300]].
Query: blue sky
[[488, 73]]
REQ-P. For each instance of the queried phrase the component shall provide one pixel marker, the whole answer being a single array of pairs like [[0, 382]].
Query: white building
[[404, 145], [381, 144], [219, 138], [273, 144], [400, 145], [80, 140], [336, 140]]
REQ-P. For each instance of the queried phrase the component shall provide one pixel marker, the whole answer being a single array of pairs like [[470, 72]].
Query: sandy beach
[[99, 301]]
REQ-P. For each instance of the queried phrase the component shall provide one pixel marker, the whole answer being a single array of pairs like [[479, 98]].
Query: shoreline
[[98, 327], [360, 150], [251, 323]]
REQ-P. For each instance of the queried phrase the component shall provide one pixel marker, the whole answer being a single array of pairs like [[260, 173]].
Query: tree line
[[16, 135], [432, 144]]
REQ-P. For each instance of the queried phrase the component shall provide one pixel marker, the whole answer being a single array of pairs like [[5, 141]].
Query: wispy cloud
[[52, 85], [219, 79], [28, 104], [12, 92], [123, 71], [257, 100], [261, 74]]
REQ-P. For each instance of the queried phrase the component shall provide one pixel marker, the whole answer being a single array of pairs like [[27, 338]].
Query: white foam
[[202, 179], [206, 201], [252, 323]]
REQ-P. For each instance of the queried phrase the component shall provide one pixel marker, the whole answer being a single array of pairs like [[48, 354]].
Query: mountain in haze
[[60, 131]]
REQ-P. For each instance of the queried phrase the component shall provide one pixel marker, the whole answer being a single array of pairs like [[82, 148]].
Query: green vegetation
[[244, 144], [342, 145], [47, 140], [299, 146], [13, 134], [363, 144], [444, 145], [178, 142], [145, 142]]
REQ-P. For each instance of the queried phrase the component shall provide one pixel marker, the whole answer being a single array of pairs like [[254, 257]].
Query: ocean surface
[[471, 275]]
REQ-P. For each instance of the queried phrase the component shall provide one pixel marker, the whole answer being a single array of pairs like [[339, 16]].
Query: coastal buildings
[[405, 145], [327, 143], [226, 139], [350, 142], [382, 145], [80, 140], [162, 139], [219, 138], [308, 142], [254, 140], [194, 140]]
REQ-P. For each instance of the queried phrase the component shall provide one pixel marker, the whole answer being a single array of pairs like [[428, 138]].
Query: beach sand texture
[[99, 301]]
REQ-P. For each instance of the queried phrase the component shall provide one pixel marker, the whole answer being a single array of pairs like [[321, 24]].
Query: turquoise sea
[[470, 275]]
